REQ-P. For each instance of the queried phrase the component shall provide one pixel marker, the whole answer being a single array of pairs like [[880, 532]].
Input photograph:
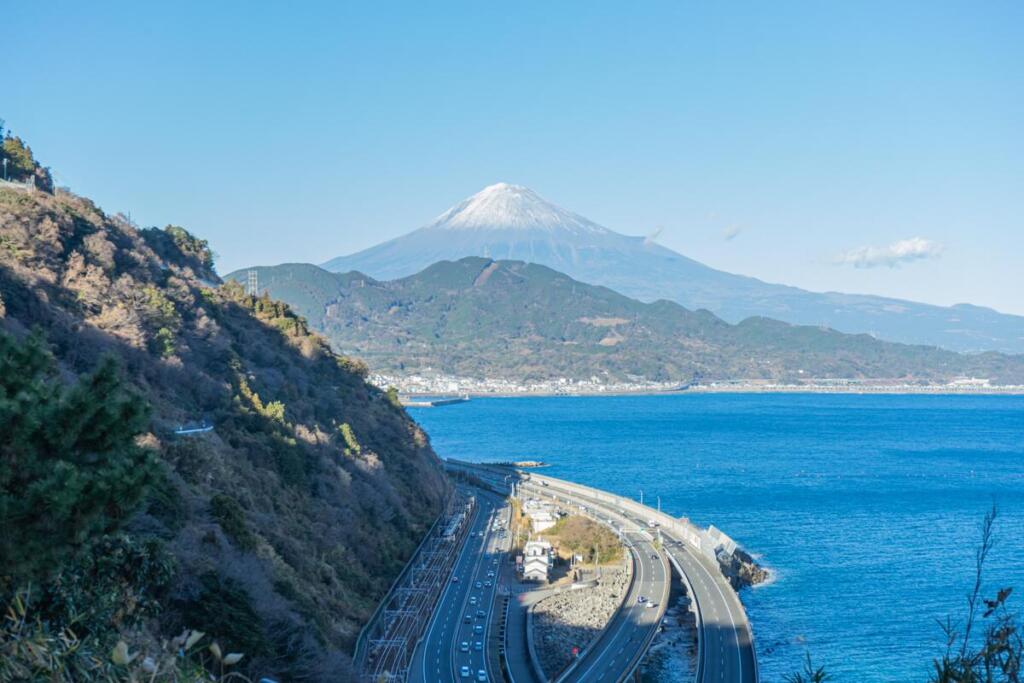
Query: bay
[[867, 508]]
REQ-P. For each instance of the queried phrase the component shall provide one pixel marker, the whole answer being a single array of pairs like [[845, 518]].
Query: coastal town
[[451, 385]]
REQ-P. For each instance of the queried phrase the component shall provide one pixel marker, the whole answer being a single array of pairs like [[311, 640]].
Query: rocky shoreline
[[674, 649], [742, 570]]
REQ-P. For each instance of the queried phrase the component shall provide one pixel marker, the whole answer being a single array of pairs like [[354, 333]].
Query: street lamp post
[[5, 169]]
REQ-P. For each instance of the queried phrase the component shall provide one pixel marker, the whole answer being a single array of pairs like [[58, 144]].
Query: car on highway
[[640, 599], [487, 583], [481, 675], [455, 579], [463, 646], [464, 672], [480, 614], [478, 646], [468, 619], [478, 585], [472, 599], [478, 629], [654, 556], [651, 604]]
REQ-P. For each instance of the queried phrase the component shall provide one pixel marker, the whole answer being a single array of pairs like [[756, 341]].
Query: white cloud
[[892, 256], [731, 232]]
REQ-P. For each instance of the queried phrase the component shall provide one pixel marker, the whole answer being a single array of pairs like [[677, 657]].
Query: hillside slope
[[511, 222], [283, 528], [481, 318]]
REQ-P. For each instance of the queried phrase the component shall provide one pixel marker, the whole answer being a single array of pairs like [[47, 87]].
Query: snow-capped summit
[[505, 221], [504, 206]]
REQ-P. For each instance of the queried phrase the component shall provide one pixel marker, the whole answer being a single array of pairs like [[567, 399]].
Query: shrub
[[70, 469], [231, 517], [113, 587], [351, 444], [223, 607]]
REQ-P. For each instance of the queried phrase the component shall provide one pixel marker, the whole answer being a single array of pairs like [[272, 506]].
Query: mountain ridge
[[487, 318], [644, 270]]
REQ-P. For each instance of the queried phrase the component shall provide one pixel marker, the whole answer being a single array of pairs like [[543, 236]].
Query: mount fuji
[[512, 222]]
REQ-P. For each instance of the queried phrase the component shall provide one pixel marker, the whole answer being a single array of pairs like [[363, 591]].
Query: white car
[[463, 646], [464, 672], [481, 675]]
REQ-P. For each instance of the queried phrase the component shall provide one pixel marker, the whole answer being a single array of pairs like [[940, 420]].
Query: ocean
[[867, 508]]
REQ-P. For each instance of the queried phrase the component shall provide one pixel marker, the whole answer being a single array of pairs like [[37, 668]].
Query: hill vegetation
[[481, 318], [577, 535], [275, 532]]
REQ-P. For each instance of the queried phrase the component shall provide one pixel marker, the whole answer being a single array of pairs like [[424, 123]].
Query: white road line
[[433, 619]]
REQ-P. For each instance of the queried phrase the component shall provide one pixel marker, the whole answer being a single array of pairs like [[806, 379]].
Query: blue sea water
[[867, 508]]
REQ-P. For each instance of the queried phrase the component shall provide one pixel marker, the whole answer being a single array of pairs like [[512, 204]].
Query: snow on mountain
[[507, 206], [512, 222]]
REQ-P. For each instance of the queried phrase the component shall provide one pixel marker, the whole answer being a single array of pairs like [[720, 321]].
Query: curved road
[[726, 648], [622, 644]]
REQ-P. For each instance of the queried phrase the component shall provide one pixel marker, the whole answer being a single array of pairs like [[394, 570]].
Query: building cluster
[[446, 385], [449, 385], [542, 516], [538, 555]]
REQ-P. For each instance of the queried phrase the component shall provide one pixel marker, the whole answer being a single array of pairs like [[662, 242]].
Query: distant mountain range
[[506, 221], [477, 317]]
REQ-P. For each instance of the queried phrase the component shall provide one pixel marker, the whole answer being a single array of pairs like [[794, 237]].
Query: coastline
[[752, 389]]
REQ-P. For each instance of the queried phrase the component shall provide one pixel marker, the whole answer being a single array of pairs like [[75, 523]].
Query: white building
[[536, 560], [541, 520]]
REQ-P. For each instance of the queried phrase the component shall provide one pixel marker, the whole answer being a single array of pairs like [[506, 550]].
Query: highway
[[622, 644], [726, 651], [440, 655], [726, 646]]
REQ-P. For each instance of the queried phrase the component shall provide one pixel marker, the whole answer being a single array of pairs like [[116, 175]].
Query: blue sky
[[863, 147]]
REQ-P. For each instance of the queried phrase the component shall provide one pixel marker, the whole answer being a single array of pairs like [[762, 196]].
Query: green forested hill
[[270, 532], [482, 318]]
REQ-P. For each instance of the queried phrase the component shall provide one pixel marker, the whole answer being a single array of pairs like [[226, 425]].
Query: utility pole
[[252, 287], [5, 169], [659, 503], [641, 496]]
